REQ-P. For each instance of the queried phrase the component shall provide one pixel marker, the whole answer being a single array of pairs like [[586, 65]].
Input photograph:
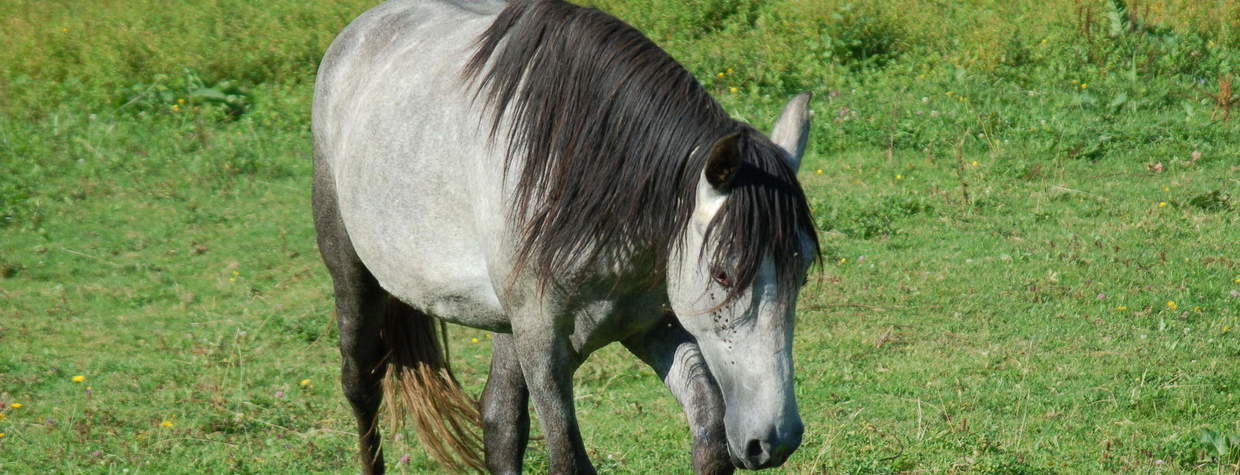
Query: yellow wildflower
[[180, 100], [1084, 85], [1236, 280], [729, 71], [166, 423], [899, 177], [719, 75], [819, 172], [473, 340], [16, 405], [79, 378], [843, 260], [732, 90], [176, 108], [1, 435], [1171, 305], [1162, 204], [2, 416], [975, 163], [304, 382], [1121, 308]]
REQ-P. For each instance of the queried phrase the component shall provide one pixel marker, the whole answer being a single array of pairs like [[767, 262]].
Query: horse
[[546, 172]]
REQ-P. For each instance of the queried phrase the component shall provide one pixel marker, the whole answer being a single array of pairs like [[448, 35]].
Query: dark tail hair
[[419, 383]]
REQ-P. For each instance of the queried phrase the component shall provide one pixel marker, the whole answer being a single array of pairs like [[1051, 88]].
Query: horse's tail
[[419, 383]]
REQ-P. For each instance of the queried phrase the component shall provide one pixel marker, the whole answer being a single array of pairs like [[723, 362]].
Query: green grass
[[155, 238]]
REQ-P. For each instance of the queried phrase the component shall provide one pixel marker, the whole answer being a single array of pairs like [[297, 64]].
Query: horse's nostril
[[756, 451]]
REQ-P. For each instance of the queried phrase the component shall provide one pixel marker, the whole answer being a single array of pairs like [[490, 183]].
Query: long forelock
[[765, 212]]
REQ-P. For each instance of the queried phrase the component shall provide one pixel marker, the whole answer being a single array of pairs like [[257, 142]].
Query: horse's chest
[[605, 321]]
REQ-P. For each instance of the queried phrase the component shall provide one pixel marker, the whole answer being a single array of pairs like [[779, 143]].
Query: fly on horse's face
[[745, 328]]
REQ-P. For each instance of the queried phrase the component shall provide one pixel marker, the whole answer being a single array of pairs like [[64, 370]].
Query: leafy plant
[[1215, 200], [1222, 447], [869, 221], [187, 92]]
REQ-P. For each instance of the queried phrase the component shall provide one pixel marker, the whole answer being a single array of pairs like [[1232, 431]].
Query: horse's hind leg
[[505, 412], [359, 316]]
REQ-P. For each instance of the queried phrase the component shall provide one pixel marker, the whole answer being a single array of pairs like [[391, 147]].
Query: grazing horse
[[545, 172]]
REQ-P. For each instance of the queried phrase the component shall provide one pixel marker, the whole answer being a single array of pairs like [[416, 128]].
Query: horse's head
[[734, 277]]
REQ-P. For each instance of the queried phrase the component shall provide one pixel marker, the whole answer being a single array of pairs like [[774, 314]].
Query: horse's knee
[[498, 416], [712, 459], [491, 410], [360, 391], [503, 401], [361, 377]]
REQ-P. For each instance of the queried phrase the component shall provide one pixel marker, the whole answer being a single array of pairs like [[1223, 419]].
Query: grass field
[[1028, 210]]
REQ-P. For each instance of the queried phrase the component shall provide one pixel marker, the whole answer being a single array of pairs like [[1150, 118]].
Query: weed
[[185, 93], [1206, 448], [1215, 200]]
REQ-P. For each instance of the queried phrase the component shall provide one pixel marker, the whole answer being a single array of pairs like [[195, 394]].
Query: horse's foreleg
[[547, 362], [675, 356], [505, 414]]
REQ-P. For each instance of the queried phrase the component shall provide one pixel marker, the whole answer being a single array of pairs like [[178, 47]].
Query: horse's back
[[392, 32], [398, 137]]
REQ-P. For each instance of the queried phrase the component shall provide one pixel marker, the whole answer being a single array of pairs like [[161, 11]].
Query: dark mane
[[607, 124]]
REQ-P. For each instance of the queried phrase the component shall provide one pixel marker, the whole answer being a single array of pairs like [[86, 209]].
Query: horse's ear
[[791, 130], [723, 162]]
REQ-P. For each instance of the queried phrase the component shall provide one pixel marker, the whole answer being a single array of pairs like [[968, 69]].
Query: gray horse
[[545, 172]]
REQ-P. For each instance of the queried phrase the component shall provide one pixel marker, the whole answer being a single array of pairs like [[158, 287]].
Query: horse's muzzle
[[769, 450]]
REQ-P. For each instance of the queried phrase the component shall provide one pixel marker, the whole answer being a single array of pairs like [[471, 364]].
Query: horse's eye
[[721, 278]]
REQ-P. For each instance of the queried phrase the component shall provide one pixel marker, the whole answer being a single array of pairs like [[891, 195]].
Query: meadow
[[1028, 210]]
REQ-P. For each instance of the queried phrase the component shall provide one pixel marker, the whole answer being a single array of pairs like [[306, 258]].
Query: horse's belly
[[430, 263], [417, 219]]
